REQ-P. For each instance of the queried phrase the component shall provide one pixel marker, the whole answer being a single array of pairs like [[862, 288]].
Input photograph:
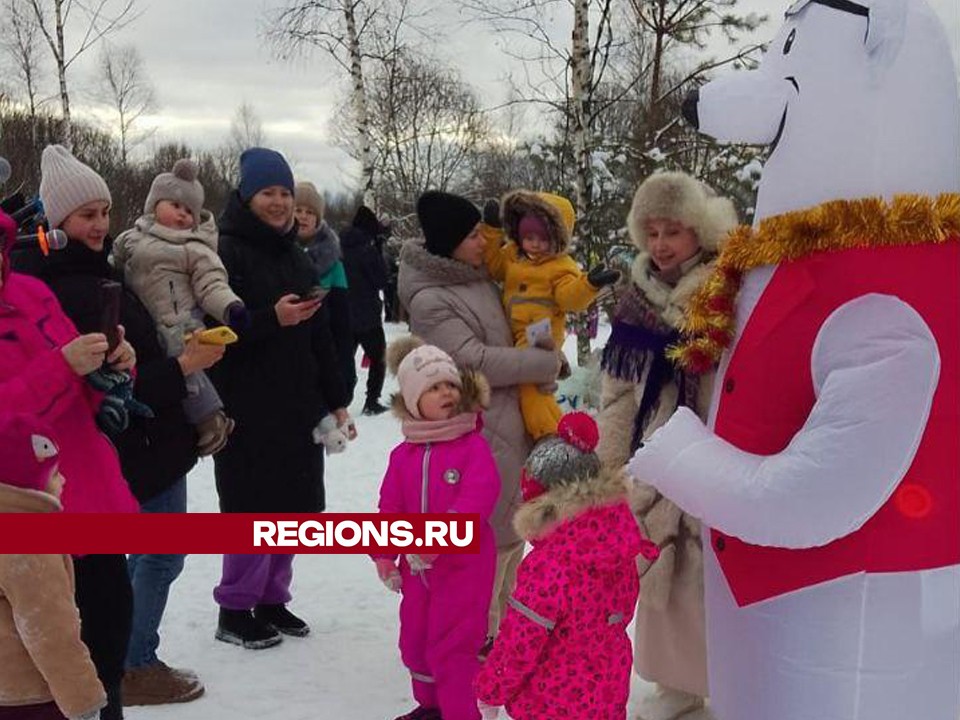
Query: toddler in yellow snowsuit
[[541, 283]]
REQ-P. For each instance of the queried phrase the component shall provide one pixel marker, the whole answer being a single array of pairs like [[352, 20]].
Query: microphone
[[53, 240]]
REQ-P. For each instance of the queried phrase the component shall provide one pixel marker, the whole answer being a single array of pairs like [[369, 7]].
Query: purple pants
[[47, 711], [250, 580]]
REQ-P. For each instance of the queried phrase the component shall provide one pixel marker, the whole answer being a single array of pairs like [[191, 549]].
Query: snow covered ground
[[348, 668]]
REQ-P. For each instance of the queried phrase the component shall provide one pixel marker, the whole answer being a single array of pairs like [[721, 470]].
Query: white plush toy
[[829, 473], [326, 433]]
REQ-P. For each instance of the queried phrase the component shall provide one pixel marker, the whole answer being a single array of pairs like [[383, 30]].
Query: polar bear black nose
[[689, 108]]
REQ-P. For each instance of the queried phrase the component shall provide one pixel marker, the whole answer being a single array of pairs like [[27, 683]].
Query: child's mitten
[[389, 574]]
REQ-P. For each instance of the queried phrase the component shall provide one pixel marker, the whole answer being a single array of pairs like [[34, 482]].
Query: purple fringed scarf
[[637, 346]]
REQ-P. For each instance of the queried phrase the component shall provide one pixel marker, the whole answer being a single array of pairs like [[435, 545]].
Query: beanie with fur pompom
[[569, 456], [180, 185]]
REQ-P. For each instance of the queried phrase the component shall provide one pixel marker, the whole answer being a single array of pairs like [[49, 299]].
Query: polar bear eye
[[789, 43]]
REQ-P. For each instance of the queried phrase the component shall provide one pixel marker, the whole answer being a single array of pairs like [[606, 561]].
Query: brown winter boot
[[212, 433], [159, 684]]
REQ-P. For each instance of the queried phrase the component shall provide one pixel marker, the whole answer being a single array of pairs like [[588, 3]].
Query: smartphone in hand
[[314, 293], [110, 296]]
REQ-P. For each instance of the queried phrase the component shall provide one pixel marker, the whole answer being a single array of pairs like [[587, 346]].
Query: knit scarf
[[639, 339], [432, 431]]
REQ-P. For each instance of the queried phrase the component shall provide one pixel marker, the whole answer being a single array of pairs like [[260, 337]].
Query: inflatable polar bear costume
[[859, 99]]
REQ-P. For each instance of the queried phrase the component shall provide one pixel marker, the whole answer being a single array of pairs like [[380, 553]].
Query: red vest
[[767, 394]]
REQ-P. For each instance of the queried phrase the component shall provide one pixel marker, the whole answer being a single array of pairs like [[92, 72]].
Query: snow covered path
[[348, 668]]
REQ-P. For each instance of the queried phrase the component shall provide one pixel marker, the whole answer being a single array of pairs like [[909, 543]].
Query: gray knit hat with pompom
[[180, 185], [569, 456]]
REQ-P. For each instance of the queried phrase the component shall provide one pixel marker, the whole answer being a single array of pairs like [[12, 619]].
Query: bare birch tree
[[354, 33], [127, 89], [98, 22], [19, 38]]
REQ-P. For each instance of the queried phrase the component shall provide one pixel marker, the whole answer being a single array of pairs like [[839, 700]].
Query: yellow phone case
[[221, 335]]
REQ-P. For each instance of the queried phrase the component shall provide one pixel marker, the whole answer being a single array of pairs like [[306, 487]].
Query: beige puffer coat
[[174, 272], [41, 655], [457, 308]]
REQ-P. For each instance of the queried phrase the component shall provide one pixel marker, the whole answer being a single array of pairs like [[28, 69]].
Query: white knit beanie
[[180, 185], [421, 368], [67, 184]]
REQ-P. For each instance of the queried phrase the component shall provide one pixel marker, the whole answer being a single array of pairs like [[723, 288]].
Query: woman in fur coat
[[677, 223]]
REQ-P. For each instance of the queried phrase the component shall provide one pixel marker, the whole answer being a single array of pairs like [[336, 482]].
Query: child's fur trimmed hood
[[474, 390], [539, 516], [554, 210]]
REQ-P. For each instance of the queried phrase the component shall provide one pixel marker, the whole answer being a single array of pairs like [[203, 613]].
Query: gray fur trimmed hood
[[539, 516], [679, 196]]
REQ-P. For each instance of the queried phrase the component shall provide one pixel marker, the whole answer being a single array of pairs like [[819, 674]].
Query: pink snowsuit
[[35, 379], [443, 614], [563, 649]]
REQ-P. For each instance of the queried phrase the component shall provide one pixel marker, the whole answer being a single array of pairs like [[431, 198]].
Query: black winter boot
[[281, 619], [240, 627], [373, 407], [421, 713]]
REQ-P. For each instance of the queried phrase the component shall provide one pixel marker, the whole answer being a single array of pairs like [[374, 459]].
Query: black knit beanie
[[446, 220]]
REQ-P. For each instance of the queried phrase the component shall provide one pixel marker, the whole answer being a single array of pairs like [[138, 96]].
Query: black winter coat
[[366, 271], [154, 452], [276, 381]]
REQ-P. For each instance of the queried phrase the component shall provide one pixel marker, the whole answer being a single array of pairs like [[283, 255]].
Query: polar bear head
[[857, 99]]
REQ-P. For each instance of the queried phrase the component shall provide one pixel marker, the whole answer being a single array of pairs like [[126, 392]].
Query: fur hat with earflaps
[[678, 196], [417, 366]]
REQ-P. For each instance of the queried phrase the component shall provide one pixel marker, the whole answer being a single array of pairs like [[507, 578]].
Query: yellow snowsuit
[[533, 290]]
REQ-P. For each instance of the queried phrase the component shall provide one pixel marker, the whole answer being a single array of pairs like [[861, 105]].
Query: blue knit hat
[[262, 168]]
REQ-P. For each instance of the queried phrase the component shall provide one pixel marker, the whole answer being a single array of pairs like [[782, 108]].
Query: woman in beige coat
[[452, 304], [677, 224]]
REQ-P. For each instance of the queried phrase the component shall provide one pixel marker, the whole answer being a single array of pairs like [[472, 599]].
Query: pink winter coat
[[451, 476], [563, 649], [36, 379]]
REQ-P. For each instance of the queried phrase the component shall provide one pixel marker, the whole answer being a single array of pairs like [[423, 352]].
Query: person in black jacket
[[366, 276], [121, 605], [276, 382]]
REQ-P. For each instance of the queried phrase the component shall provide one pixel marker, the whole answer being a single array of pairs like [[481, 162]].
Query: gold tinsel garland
[[836, 225]]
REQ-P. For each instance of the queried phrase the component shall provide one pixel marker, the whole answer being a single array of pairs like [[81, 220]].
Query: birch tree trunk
[[360, 105], [581, 95], [66, 134]]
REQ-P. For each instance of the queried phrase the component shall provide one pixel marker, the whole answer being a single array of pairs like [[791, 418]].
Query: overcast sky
[[205, 57]]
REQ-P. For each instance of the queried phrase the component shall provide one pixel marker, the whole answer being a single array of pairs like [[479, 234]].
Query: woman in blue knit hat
[[275, 382]]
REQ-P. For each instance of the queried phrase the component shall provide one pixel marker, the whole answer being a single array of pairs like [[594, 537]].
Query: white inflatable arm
[[875, 370]]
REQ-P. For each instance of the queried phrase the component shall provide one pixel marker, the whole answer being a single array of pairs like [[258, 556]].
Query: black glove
[[491, 213], [600, 276]]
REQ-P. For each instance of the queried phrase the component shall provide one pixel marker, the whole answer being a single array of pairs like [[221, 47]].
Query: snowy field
[[348, 668]]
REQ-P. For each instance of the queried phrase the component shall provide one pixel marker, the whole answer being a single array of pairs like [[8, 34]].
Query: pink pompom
[[580, 430]]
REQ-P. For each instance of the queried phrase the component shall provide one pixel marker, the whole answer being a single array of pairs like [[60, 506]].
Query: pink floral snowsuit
[[443, 614], [563, 649]]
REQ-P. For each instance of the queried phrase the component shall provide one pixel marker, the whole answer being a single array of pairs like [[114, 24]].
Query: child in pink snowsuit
[[443, 465], [563, 649]]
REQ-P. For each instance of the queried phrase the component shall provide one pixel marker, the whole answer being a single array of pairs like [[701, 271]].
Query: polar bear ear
[[886, 24]]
